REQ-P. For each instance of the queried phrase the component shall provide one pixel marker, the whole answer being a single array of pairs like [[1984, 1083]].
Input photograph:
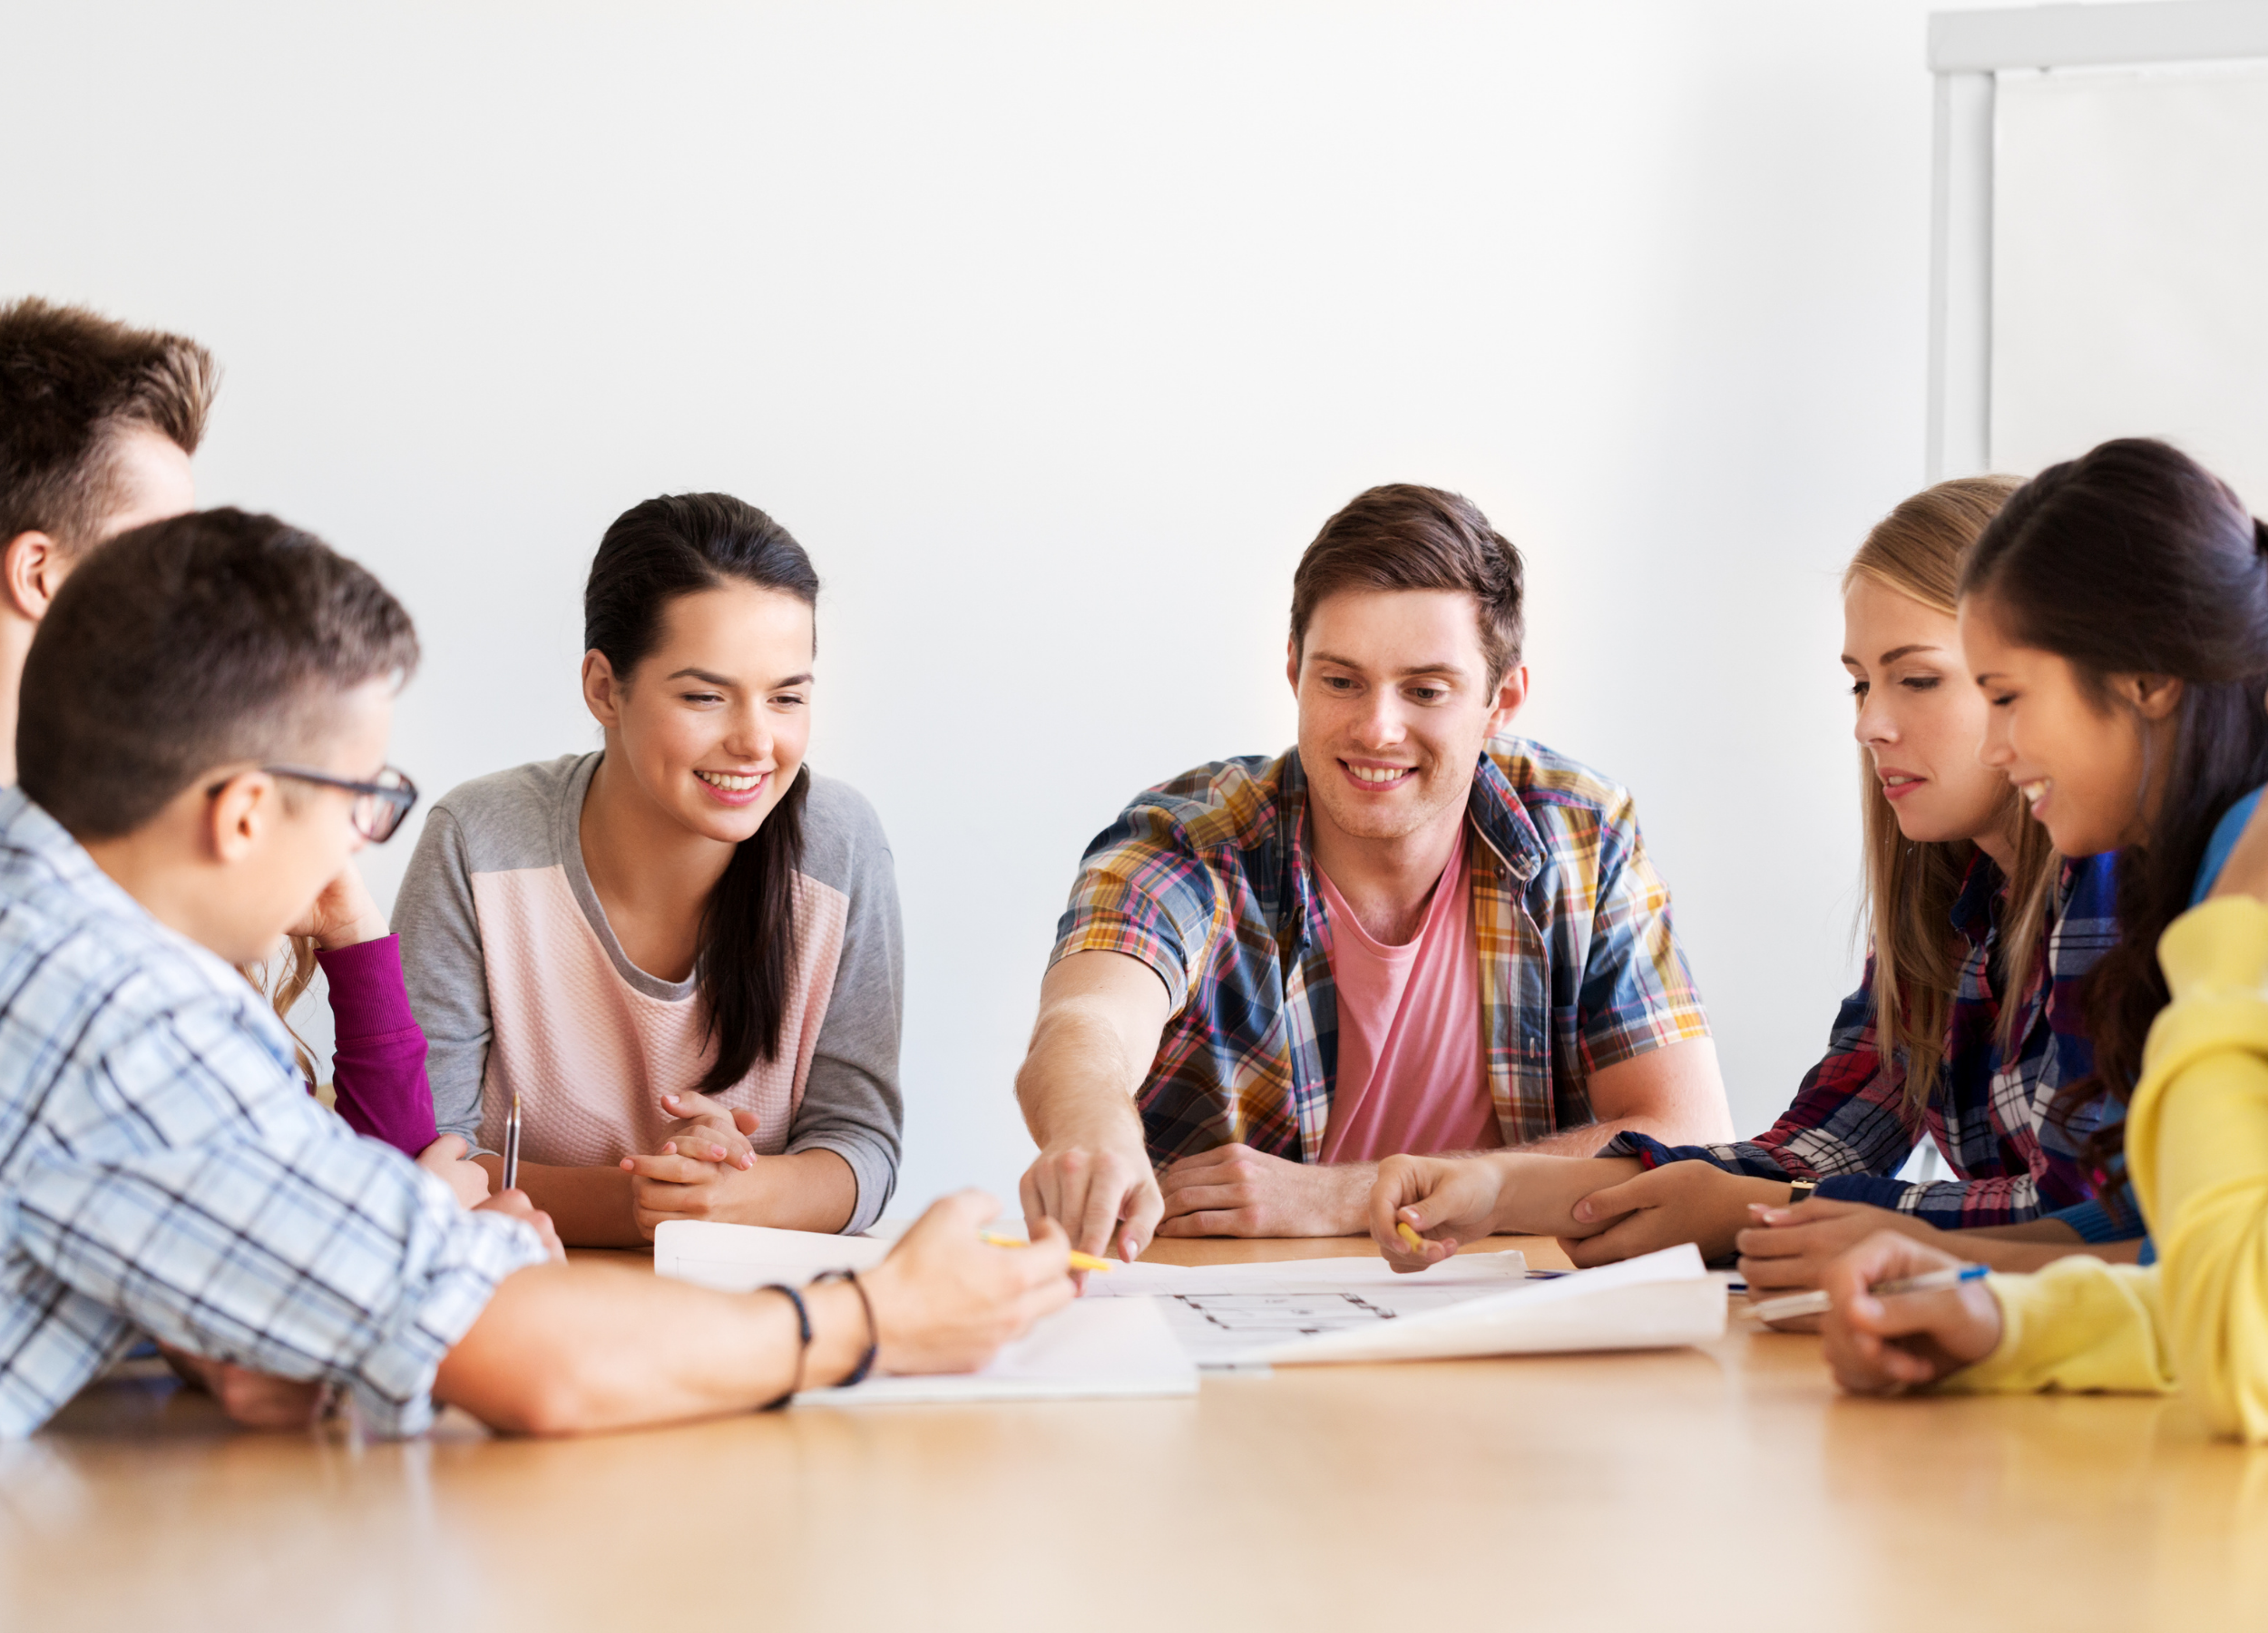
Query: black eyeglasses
[[380, 805]]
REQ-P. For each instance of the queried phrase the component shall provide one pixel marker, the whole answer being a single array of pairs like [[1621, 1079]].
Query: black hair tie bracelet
[[802, 1333], [874, 1334]]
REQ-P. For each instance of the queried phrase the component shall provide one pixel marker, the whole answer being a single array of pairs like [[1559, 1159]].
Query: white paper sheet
[[734, 1259], [1658, 1300], [1490, 1271], [1231, 1315], [1091, 1349]]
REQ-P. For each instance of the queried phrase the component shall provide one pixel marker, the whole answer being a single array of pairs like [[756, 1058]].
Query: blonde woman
[[1968, 905]]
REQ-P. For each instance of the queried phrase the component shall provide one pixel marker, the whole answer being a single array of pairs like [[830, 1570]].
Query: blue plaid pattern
[[163, 1170], [1849, 1127]]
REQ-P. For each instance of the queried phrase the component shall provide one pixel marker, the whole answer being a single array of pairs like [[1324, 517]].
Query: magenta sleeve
[[378, 1059]]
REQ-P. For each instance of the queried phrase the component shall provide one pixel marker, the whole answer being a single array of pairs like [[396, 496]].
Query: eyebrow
[[727, 682], [1895, 654], [1441, 667]]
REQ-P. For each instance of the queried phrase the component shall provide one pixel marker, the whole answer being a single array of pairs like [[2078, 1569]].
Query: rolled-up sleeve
[[1636, 994], [1144, 891]]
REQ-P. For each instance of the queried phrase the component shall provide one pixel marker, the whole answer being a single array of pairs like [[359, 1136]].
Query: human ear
[[2154, 697], [1511, 692], [30, 573], [1291, 663], [601, 694], [237, 816]]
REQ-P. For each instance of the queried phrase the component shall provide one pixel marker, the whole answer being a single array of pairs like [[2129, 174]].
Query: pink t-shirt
[[1410, 1075]]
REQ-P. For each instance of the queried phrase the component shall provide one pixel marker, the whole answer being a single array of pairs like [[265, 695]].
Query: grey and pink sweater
[[520, 985]]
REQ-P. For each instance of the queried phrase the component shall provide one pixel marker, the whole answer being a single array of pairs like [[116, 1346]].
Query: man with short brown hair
[[97, 425], [1411, 932]]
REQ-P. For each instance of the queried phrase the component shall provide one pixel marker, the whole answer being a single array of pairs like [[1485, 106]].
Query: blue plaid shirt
[[163, 1170], [1989, 1114]]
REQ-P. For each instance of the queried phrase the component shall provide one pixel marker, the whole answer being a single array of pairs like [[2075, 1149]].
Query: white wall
[[1054, 331], [2130, 220]]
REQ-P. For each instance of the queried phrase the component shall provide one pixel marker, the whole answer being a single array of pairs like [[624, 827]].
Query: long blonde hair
[[1911, 885], [283, 980]]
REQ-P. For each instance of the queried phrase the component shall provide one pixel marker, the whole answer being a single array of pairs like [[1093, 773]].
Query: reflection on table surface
[[1726, 1486]]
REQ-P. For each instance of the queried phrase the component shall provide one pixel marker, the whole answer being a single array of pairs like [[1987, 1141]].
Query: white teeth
[[2033, 792], [1377, 774], [730, 785]]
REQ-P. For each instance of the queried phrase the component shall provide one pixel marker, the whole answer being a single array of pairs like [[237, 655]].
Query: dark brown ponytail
[[654, 553]]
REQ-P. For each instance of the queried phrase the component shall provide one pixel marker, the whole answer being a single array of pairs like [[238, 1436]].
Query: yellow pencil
[[1080, 1261], [1417, 1242]]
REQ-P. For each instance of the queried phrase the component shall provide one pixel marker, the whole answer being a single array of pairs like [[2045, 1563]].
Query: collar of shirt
[[1492, 810], [1977, 906]]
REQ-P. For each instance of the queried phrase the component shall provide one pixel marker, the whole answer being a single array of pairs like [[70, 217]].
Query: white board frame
[[1968, 51]]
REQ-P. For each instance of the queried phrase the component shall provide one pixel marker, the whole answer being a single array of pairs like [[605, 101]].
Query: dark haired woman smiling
[[2116, 616], [681, 952]]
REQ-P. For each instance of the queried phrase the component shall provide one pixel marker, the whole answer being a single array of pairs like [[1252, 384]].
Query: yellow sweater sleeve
[[2197, 1151], [2079, 1323]]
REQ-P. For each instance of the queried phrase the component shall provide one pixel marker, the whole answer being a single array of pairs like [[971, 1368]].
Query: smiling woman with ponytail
[[681, 952]]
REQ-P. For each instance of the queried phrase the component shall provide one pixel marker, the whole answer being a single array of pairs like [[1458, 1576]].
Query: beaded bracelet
[[874, 1334], [803, 1333]]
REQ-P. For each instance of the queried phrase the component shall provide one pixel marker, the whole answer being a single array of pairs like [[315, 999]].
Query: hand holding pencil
[[1080, 1261], [944, 1301], [1879, 1341]]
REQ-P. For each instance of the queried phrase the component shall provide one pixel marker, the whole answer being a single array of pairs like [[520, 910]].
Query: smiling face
[[2086, 766], [714, 723], [1395, 704], [1919, 719]]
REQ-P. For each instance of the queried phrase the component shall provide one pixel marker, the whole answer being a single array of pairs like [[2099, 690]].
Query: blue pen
[[1819, 1304]]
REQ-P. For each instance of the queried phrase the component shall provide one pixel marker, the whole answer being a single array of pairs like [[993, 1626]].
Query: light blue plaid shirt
[[163, 1170]]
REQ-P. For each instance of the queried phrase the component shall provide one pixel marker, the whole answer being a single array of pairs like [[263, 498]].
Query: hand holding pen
[[1881, 1341]]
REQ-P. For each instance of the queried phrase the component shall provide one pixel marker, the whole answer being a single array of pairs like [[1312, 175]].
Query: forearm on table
[[568, 1349], [1540, 1191], [805, 1190], [589, 1207], [2053, 1232], [2021, 1254]]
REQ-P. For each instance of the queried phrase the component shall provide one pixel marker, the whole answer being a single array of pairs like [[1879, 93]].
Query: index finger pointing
[[1142, 1222], [1105, 1205]]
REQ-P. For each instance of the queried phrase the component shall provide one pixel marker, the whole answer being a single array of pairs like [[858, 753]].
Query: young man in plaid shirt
[[1412, 932]]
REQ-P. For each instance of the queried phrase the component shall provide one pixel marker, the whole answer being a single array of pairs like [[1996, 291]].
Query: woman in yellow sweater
[[2106, 748]]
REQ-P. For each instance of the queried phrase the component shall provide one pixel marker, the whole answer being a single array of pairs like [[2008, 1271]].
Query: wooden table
[[1726, 1487]]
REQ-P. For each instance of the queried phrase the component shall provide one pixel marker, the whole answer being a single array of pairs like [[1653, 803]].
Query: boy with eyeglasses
[[203, 719], [98, 424]]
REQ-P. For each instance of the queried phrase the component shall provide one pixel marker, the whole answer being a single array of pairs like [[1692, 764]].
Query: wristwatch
[[1800, 1190]]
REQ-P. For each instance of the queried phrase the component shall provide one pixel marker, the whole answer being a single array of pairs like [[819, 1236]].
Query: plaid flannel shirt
[[1849, 1128], [1209, 880], [163, 1170]]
